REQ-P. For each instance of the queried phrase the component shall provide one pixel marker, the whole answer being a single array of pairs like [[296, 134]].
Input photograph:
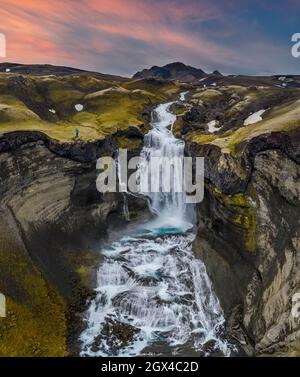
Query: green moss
[[205, 138], [243, 215], [83, 272], [217, 191], [282, 118], [61, 131], [238, 200], [59, 92], [238, 220], [108, 107], [161, 89], [106, 114], [23, 334], [126, 143], [85, 83], [36, 322], [13, 110], [83, 263], [208, 95]]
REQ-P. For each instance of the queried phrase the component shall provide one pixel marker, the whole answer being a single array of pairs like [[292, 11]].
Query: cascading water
[[161, 143], [153, 295]]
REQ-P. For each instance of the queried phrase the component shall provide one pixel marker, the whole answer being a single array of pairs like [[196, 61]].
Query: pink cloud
[[97, 34], [39, 30]]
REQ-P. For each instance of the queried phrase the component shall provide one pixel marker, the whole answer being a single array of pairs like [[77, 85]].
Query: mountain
[[176, 71], [217, 73], [48, 69]]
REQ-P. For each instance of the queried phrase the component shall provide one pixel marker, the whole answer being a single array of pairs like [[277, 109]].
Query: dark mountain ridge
[[173, 71]]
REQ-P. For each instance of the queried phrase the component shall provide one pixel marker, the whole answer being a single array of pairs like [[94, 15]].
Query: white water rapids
[[153, 296]]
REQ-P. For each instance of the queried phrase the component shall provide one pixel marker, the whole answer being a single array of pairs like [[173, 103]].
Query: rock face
[[249, 221], [52, 221], [249, 239], [173, 71]]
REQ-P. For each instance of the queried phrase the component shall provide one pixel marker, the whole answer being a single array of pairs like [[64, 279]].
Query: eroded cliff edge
[[249, 238], [52, 223]]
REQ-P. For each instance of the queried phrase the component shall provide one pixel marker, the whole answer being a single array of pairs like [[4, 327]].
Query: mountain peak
[[217, 73], [172, 71]]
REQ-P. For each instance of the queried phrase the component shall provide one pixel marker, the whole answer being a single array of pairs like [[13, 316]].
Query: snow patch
[[213, 126], [183, 96], [254, 118], [78, 107]]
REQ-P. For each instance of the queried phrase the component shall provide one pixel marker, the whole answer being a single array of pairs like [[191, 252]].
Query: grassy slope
[[285, 117], [108, 106]]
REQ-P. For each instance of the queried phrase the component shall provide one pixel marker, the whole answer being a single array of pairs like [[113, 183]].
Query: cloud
[[121, 37]]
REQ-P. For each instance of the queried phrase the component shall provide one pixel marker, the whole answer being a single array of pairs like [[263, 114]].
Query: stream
[[153, 296]]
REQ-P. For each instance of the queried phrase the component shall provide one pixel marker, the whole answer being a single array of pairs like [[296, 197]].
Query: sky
[[125, 36]]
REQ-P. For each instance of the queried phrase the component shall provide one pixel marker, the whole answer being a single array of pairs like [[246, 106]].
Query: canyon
[[54, 221]]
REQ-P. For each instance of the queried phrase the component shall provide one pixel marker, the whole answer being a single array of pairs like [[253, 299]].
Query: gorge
[[149, 283], [239, 259]]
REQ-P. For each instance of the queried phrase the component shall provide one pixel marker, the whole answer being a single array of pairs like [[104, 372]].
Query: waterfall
[[153, 296], [160, 143]]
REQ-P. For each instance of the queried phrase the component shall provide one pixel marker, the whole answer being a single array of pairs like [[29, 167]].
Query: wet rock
[[118, 335], [262, 279]]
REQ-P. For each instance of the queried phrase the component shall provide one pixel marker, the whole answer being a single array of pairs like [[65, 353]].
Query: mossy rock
[[13, 110], [285, 118], [243, 215], [208, 95], [161, 89], [36, 323]]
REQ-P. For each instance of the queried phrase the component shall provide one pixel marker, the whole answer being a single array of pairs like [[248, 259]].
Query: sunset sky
[[123, 36]]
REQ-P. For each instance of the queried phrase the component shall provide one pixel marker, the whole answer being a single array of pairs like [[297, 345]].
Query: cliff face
[[51, 225], [249, 238], [250, 245]]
